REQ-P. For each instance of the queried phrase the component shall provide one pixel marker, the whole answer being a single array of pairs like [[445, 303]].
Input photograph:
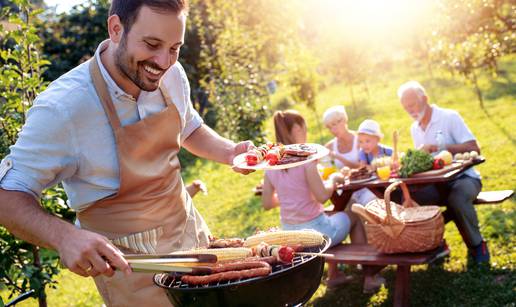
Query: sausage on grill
[[230, 271]]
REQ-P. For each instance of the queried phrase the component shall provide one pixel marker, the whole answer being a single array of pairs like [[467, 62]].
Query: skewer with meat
[[284, 254], [257, 154], [275, 154]]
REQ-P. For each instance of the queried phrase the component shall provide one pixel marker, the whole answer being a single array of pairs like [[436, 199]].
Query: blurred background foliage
[[237, 54]]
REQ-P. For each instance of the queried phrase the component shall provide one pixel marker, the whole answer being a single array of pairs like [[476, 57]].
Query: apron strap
[[166, 96], [169, 103], [102, 91]]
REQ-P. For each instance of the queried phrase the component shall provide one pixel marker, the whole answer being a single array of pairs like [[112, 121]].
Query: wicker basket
[[399, 229]]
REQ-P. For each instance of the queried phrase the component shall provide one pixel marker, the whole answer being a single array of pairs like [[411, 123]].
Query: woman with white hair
[[344, 147]]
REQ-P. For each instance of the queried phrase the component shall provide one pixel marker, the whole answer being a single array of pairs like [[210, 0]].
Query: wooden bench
[[483, 198], [367, 255], [493, 197]]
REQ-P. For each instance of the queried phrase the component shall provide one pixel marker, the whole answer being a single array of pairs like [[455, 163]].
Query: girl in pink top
[[300, 193]]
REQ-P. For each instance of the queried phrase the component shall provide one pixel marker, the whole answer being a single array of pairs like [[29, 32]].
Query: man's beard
[[419, 116], [123, 61]]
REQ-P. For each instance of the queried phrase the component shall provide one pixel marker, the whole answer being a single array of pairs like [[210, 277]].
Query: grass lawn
[[230, 208]]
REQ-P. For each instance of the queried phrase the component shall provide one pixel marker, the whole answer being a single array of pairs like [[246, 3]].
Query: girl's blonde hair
[[283, 123]]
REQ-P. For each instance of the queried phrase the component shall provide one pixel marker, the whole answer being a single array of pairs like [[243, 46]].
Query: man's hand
[[200, 186], [241, 148], [89, 254], [429, 148], [196, 186]]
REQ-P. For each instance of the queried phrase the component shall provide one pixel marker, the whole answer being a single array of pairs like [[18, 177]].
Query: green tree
[[471, 35], [13, 6], [70, 39], [304, 81], [24, 266], [229, 67]]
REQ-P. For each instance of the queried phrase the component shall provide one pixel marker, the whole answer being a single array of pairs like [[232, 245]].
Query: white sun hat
[[370, 127]]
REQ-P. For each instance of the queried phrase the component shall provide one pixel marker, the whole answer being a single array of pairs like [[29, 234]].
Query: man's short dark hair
[[127, 10]]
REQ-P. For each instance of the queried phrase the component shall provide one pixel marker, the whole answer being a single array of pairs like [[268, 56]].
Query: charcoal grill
[[288, 285]]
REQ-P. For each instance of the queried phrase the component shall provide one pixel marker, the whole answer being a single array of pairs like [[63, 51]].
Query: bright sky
[[63, 5]]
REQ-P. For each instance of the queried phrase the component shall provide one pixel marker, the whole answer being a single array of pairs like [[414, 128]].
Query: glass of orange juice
[[384, 172]]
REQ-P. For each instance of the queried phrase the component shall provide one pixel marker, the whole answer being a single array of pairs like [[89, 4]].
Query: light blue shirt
[[452, 126], [67, 136], [368, 157]]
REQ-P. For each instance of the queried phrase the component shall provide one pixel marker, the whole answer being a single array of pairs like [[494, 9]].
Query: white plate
[[239, 161]]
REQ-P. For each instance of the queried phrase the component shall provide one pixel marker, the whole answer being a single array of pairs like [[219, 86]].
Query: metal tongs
[[185, 263]]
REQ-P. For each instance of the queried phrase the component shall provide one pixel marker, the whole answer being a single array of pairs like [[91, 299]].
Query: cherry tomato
[[286, 254], [272, 158], [251, 159]]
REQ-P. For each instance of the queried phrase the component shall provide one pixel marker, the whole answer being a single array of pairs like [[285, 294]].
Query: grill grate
[[174, 281]]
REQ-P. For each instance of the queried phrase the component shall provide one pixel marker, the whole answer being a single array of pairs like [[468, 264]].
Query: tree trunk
[[352, 98], [366, 88], [477, 90], [430, 71], [42, 297], [319, 125]]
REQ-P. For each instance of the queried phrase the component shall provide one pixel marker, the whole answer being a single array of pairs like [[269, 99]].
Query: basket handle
[[362, 212], [406, 195]]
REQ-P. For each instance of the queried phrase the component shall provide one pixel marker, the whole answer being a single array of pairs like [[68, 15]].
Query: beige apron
[[152, 211]]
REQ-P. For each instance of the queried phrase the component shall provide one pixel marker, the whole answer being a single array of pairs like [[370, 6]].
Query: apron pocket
[[144, 242]]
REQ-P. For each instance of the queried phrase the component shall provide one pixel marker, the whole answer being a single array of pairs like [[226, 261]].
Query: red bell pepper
[[438, 163]]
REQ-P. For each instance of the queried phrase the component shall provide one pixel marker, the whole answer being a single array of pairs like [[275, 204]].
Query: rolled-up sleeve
[[192, 119], [43, 154]]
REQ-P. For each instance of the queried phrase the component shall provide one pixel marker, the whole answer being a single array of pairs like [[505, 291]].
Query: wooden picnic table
[[344, 191], [367, 255]]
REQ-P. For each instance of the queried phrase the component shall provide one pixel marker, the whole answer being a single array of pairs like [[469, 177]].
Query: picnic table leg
[[402, 286]]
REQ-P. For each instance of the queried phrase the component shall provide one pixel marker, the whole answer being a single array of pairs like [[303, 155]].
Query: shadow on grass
[[435, 85], [499, 89], [497, 123], [441, 82], [499, 225], [434, 286], [358, 112]]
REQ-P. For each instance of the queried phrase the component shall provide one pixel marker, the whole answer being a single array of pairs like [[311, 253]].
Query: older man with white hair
[[435, 129]]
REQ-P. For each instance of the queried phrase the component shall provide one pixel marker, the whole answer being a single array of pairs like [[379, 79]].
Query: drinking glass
[[384, 172]]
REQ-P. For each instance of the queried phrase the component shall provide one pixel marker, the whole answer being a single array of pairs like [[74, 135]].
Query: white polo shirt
[[453, 128], [67, 136]]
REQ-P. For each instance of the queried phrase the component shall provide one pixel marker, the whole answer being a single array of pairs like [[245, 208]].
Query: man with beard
[[435, 129], [110, 130]]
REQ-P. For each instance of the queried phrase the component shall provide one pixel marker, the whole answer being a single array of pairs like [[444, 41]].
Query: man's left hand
[[241, 147]]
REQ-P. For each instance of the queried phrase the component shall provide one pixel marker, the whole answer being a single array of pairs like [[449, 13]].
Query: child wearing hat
[[369, 136]]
